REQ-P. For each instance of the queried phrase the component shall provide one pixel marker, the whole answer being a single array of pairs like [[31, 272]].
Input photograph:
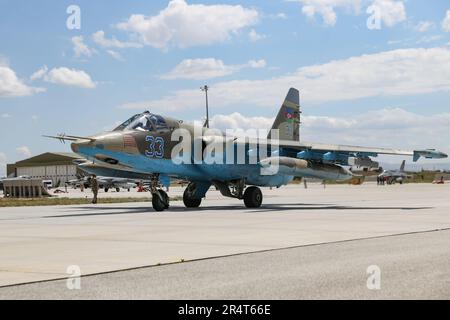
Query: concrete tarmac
[[40, 243], [412, 266]]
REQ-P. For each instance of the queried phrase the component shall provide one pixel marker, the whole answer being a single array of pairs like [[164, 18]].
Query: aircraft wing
[[355, 149], [341, 153]]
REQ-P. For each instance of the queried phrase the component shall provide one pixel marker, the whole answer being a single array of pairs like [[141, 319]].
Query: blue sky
[[386, 87]]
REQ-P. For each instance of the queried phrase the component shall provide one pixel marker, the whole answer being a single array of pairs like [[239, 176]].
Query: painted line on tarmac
[[226, 256]]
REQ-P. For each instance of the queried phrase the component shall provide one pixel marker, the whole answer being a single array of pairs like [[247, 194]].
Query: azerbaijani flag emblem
[[289, 115]]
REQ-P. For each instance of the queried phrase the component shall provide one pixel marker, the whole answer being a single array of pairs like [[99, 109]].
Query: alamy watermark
[[73, 21], [374, 280], [212, 146], [73, 281], [374, 20]]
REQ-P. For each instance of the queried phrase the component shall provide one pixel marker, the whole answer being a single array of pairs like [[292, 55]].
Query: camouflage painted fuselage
[[151, 152]]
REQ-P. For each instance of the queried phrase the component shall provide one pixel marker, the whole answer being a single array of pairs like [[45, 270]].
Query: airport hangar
[[55, 166]]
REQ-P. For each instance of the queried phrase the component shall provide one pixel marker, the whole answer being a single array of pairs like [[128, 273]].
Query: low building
[[23, 188], [55, 166]]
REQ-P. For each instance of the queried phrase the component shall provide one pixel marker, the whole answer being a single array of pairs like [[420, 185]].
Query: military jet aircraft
[[393, 176], [108, 178], [164, 148], [105, 183]]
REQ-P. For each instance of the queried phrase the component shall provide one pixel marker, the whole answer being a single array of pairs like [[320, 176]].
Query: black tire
[[165, 197], [158, 203], [106, 189], [188, 201], [117, 189], [253, 197]]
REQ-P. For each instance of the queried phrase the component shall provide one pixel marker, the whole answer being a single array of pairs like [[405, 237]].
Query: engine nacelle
[[302, 168]]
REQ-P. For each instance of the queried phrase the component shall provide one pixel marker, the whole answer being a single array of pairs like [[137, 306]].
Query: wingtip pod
[[429, 154]]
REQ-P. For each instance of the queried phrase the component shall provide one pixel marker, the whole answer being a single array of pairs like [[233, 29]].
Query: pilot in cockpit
[[145, 121], [143, 124]]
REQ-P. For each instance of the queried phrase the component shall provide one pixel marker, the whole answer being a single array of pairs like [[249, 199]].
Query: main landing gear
[[195, 192], [189, 199], [160, 199], [252, 196]]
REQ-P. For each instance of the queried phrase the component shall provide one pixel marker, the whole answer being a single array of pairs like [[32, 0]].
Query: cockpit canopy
[[145, 121]]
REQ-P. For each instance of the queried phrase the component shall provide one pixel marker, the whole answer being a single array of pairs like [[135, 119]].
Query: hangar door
[[62, 173]]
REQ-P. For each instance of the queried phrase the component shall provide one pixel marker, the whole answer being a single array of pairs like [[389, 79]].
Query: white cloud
[[11, 86], [5, 116], [278, 16], [184, 25], [398, 42], [80, 48], [237, 121], [327, 8], [428, 39], [254, 36], [424, 26], [257, 64], [200, 69], [70, 77], [39, 73], [24, 151], [394, 127], [446, 22], [115, 55], [392, 11], [281, 15], [100, 39], [3, 162], [389, 73]]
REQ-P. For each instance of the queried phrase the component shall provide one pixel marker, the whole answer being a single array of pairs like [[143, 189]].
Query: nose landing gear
[[160, 199]]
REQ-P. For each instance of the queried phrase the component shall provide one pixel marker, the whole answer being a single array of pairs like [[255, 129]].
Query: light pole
[[205, 89]]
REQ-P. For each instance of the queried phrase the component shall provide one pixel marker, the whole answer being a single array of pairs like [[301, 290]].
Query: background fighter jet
[[108, 176], [146, 143], [393, 176], [105, 183]]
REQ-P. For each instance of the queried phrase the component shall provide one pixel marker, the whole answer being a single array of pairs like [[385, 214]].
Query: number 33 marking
[[156, 147]]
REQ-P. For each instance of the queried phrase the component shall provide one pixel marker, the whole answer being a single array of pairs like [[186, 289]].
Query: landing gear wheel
[[253, 197], [165, 197], [160, 200], [188, 201]]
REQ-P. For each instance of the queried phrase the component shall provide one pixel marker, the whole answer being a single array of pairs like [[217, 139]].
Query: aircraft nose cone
[[74, 147]]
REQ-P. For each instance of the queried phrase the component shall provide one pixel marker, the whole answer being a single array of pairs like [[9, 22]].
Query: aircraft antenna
[[205, 89]]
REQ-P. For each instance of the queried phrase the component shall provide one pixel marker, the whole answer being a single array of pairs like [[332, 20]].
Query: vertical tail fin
[[402, 167], [288, 118]]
